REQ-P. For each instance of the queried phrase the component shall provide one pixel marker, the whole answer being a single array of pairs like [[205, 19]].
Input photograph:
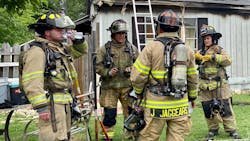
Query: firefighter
[[164, 78], [48, 74], [114, 61], [214, 90]]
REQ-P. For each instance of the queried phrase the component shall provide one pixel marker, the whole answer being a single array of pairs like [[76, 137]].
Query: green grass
[[199, 128]]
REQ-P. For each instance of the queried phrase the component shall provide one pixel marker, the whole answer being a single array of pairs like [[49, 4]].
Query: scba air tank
[[179, 70]]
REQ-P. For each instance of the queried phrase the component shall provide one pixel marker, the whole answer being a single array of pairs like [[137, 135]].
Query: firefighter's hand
[[198, 56], [192, 104], [206, 58], [113, 72], [128, 69], [44, 115]]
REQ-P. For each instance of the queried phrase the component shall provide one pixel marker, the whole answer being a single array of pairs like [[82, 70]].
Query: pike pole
[[95, 100]]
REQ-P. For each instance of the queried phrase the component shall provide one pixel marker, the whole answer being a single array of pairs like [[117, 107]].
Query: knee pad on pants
[[227, 108], [109, 116], [206, 105]]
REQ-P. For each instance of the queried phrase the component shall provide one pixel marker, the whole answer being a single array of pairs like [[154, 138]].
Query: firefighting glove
[[198, 56], [133, 94], [206, 58]]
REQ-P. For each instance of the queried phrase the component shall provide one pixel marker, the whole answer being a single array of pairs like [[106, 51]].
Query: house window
[[145, 30], [144, 26], [191, 33]]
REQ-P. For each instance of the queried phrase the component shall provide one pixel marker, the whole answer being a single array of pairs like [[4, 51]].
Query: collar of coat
[[168, 34], [56, 46], [116, 44], [51, 43]]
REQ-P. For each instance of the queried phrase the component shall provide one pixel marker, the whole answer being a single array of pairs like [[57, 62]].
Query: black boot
[[234, 134], [211, 134]]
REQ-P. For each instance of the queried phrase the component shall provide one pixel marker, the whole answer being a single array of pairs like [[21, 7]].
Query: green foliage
[[13, 28], [198, 132], [75, 8], [16, 15], [19, 6]]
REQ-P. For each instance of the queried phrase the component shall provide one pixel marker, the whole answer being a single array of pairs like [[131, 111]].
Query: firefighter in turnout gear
[[48, 74], [214, 90], [114, 62], [164, 76]]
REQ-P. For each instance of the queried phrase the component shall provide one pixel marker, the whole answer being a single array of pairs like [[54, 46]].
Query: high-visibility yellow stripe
[[73, 74], [59, 77], [138, 90], [211, 70], [218, 58], [192, 71], [168, 102], [62, 97], [193, 93], [141, 68], [30, 76], [159, 74], [164, 104], [212, 84], [38, 99]]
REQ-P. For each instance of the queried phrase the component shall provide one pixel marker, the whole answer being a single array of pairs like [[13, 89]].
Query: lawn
[[199, 128]]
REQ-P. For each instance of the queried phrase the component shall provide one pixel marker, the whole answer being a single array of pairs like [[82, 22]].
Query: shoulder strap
[[50, 63], [42, 45], [169, 45], [131, 50], [108, 60], [108, 47], [164, 40], [219, 50]]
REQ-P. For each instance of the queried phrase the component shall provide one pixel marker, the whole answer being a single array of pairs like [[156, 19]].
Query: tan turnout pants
[[63, 124]]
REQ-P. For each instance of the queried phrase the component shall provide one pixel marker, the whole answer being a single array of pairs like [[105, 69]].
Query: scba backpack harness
[[175, 82]]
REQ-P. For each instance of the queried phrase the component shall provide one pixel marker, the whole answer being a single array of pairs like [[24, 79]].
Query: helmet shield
[[68, 23], [53, 20], [118, 26], [168, 18]]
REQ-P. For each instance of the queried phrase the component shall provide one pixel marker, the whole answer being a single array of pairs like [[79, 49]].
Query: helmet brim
[[62, 22], [217, 35], [162, 23], [120, 31], [36, 25]]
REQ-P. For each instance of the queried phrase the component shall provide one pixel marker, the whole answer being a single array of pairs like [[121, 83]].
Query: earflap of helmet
[[217, 35]]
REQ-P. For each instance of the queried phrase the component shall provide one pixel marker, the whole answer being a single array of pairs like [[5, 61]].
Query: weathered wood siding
[[235, 39]]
